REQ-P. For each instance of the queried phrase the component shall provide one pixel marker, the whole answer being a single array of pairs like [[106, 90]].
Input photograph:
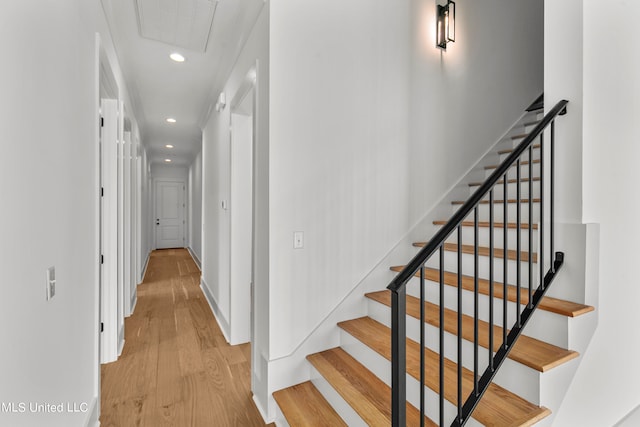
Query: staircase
[[351, 383]]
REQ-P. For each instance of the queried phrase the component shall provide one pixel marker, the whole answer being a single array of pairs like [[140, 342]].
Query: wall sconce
[[446, 28]]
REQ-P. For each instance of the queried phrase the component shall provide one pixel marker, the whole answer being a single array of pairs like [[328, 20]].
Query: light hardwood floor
[[176, 368]]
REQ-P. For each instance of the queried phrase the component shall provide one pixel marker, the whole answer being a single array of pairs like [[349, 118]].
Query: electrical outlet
[[298, 240], [51, 282]]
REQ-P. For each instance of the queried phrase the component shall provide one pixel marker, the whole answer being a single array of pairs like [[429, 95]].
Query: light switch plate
[[51, 282], [298, 240]]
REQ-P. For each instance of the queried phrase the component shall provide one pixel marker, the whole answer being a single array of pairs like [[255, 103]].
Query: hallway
[[176, 368]]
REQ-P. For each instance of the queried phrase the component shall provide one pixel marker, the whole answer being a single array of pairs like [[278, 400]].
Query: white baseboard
[[93, 416], [134, 302], [224, 325], [144, 269], [262, 411], [121, 341], [195, 258]]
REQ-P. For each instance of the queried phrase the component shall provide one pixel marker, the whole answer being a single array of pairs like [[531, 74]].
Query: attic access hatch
[[182, 23]]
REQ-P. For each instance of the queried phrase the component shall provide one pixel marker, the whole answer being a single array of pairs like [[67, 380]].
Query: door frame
[[247, 88], [154, 195]]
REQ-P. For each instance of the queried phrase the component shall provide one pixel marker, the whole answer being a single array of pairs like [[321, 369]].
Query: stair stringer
[[580, 274]]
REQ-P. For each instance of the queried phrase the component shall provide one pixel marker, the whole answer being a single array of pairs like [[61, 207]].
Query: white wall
[[465, 98], [48, 128], [344, 168], [339, 153], [195, 207], [216, 188], [606, 385], [169, 172]]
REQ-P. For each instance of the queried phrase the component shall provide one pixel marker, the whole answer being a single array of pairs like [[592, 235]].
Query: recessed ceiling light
[[177, 57], [171, 120], [167, 160], [169, 146]]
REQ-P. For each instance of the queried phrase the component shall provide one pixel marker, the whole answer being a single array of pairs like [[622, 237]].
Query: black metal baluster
[[398, 357], [505, 290], [541, 226], [460, 322], [551, 194], [417, 264], [441, 388], [529, 305], [491, 284], [518, 243], [422, 344], [475, 301]]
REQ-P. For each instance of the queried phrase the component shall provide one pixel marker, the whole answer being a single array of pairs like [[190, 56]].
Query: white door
[[109, 291], [169, 214]]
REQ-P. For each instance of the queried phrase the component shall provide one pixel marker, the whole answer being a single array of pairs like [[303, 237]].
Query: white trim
[[98, 232], [224, 326], [266, 419], [120, 340], [144, 268], [93, 417], [630, 419], [195, 257], [134, 301]]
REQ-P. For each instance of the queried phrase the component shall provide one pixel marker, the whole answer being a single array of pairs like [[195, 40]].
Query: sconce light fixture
[[446, 28]]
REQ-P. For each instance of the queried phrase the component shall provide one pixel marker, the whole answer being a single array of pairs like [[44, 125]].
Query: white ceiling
[[161, 88]]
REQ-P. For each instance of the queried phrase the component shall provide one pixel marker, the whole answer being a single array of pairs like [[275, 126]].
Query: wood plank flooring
[[176, 368]]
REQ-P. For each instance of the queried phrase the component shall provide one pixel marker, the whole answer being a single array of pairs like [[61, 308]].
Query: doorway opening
[[242, 148]]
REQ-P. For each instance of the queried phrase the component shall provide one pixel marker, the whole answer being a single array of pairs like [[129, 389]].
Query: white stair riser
[[451, 302], [344, 410], [468, 268], [523, 386], [525, 155], [498, 211], [381, 367], [498, 233], [281, 420], [512, 173], [544, 325], [512, 190]]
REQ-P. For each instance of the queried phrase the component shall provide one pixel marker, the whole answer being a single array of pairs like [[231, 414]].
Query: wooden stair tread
[[498, 407], [367, 394], [485, 224], [535, 122], [531, 352], [510, 181], [486, 202], [553, 305], [484, 251], [525, 162], [303, 405]]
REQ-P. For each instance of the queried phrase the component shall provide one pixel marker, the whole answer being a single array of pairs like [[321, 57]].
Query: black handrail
[[425, 253], [399, 283]]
